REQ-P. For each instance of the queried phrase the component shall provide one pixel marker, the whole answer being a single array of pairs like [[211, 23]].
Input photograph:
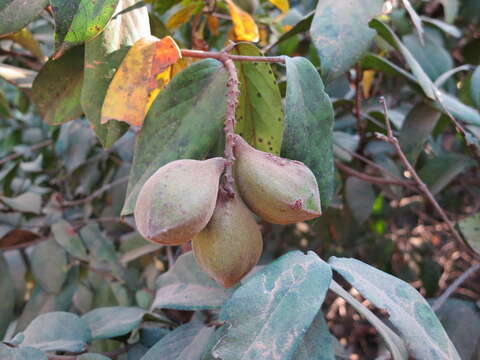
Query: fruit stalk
[[229, 128]]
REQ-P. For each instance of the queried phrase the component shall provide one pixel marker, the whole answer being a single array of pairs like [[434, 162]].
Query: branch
[[95, 193], [229, 128], [454, 286], [221, 56], [371, 179], [391, 139], [31, 148]]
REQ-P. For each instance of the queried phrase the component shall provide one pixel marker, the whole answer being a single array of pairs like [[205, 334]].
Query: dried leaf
[[367, 80], [127, 97], [243, 24], [25, 39]]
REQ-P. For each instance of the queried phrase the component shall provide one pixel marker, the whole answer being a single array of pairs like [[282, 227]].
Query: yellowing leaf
[[244, 26], [281, 4], [25, 39], [212, 23], [181, 16], [135, 84], [367, 80]]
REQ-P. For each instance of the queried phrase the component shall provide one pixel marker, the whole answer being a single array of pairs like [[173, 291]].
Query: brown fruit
[[178, 200], [280, 191], [231, 244]]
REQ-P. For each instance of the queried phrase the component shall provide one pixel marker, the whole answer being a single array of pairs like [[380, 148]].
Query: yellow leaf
[[181, 16], [164, 78], [281, 4], [367, 80], [135, 84], [244, 26], [25, 39], [212, 23]]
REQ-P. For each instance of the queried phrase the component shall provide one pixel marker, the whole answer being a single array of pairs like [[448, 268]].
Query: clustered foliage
[[220, 131]]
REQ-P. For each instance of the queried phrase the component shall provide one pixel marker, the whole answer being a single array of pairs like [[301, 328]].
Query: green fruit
[[231, 244], [280, 191], [178, 200]]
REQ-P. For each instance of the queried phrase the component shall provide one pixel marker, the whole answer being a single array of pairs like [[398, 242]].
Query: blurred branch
[[96, 193], [31, 148], [371, 179], [25, 59], [391, 139], [454, 286]]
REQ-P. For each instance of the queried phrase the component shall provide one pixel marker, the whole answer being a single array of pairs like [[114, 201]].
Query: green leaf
[[470, 228], [360, 197], [56, 89], [4, 106], [450, 9], [78, 21], [386, 33], [461, 320], [67, 238], [7, 288], [49, 265], [301, 26], [458, 109], [416, 129], [103, 55], [445, 27], [28, 202], [417, 22], [186, 342], [309, 124], [408, 311], [438, 172], [259, 112], [266, 315], [340, 33], [342, 142], [109, 322], [15, 14], [92, 356], [433, 59], [184, 122], [41, 302], [317, 342], [395, 344], [187, 287], [475, 87], [21, 353], [58, 331]]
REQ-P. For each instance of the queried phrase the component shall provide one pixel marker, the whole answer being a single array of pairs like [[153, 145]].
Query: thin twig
[[368, 178], [96, 193], [222, 56], [358, 102], [391, 139], [454, 286], [31, 148]]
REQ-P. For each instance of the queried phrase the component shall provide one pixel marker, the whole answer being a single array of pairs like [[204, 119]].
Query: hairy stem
[[229, 128]]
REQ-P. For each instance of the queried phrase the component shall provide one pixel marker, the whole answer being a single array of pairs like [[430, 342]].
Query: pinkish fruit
[[178, 200], [280, 191], [231, 244]]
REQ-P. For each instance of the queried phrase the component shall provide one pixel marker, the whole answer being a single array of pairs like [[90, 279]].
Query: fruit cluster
[[184, 201]]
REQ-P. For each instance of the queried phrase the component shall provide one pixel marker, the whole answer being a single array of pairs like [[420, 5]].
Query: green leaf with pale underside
[[183, 123], [408, 311], [309, 124], [267, 316], [341, 34]]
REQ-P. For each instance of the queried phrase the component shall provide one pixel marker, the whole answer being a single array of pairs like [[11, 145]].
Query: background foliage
[[69, 263]]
